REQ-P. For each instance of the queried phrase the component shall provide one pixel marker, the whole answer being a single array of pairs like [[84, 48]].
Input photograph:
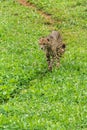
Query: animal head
[[44, 43]]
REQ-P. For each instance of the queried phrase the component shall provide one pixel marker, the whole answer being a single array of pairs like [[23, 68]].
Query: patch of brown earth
[[46, 16]]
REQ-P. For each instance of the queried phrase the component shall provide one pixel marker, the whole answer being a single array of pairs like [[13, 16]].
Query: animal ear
[[63, 46], [39, 40], [51, 37]]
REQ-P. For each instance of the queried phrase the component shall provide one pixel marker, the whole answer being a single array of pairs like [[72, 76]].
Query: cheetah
[[53, 47]]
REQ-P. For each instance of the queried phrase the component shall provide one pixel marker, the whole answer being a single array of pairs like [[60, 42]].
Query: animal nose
[[41, 48]]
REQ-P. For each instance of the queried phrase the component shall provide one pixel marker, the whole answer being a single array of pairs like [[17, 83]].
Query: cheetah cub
[[53, 47]]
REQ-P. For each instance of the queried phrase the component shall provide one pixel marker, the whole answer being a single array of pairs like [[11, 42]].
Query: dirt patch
[[46, 16], [25, 3]]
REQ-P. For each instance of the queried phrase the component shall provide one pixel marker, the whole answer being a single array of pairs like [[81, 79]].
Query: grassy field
[[31, 97]]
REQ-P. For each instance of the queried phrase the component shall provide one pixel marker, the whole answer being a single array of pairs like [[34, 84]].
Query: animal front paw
[[58, 64], [50, 68]]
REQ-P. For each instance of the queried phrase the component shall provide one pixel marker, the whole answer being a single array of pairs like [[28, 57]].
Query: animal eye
[[48, 39]]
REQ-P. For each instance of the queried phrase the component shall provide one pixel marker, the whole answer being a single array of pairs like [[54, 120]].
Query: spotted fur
[[53, 47]]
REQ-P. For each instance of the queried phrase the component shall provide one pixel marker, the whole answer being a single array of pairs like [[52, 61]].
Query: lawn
[[31, 97]]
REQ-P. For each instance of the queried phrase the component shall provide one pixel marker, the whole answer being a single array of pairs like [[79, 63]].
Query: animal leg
[[49, 62], [58, 61]]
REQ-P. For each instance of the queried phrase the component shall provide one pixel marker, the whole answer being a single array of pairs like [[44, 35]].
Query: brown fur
[[53, 47]]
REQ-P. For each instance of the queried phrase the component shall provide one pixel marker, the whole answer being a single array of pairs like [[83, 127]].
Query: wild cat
[[53, 47]]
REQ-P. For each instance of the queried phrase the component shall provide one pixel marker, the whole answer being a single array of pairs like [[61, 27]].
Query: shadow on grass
[[23, 83]]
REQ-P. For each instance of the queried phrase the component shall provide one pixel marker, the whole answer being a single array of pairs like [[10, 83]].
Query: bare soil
[[45, 15]]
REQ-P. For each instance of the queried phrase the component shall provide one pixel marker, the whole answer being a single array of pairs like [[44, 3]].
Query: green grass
[[31, 97]]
